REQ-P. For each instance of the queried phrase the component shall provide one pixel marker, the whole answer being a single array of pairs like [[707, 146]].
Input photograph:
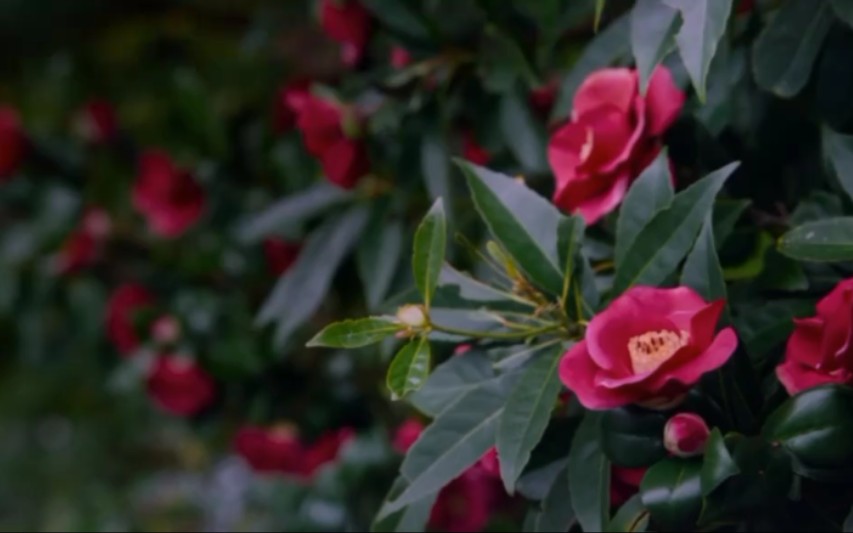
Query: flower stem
[[497, 334]]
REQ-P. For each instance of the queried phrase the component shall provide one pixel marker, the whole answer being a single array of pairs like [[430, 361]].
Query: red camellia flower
[[167, 196], [344, 159], [280, 254], [685, 435], [349, 23], [179, 386], [490, 463], [287, 102], [400, 57], [275, 450], [97, 122], [125, 302], [83, 247], [465, 504], [614, 133], [472, 150], [325, 450], [820, 350], [13, 142], [649, 347], [624, 483], [407, 434]]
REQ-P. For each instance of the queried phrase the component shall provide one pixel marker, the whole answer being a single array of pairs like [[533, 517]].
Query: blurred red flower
[[179, 386], [167, 196], [349, 23], [13, 142], [124, 303]]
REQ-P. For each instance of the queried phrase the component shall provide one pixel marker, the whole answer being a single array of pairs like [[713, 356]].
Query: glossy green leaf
[[703, 25], [672, 492], [726, 215], [589, 475], [816, 427], [649, 194], [702, 270], [410, 368], [435, 165], [503, 61], [632, 517], [292, 210], [464, 287], [785, 51], [665, 240], [451, 381], [653, 28], [457, 439], [412, 518], [522, 221], [825, 240], [430, 247], [763, 327], [718, 465], [378, 258], [525, 133], [355, 333], [633, 438], [843, 9], [554, 513], [527, 413], [838, 149]]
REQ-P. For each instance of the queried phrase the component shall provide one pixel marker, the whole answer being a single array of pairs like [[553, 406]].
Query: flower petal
[[578, 373], [664, 101], [613, 87]]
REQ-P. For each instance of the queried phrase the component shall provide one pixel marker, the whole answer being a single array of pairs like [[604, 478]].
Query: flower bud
[[412, 316], [166, 330], [685, 435]]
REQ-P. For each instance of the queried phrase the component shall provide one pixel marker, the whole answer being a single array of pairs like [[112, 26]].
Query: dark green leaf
[[631, 517], [522, 221], [526, 134], [410, 368], [555, 514], [503, 61], [843, 9], [672, 492], [702, 270], [468, 288], [653, 27], [355, 333], [378, 257], [726, 215], [649, 194], [589, 475], [822, 241], [665, 240], [430, 246], [838, 149], [785, 51], [452, 380], [292, 210], [599, 11], [718, 465], [848, 522], [527, 413], [632, 438], [401, 19], [435, 165], [412, 518], [763, 327]]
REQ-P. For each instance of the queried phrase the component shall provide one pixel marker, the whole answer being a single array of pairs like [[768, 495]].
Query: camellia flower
[[490, 463], [97, 122], [820, 350], [324, 450], [649, 347], [543, 97], [287, 101], [166, 330], [349, 23], [473, 151], [13, 142], [344, 159], [166, 195], [407, 434], [83, 247], [124, 303], [613, 135], [400, 57], [685, 435], [276, 450], [624, 483], [179, 386], [280, 254]]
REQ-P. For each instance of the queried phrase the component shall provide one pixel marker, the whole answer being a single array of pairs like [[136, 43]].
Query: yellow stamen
[[650, 350]]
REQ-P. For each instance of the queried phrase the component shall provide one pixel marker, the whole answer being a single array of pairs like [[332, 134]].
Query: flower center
[[650, 350]]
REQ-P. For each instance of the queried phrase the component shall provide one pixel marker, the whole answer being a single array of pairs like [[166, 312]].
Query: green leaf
[[522, 221], [599, 11], [435, 165], [765, 326], [412, 518], [718, 465], [785, 51], [703, 25], [430, 246], [838, 149], [589, 475], [291, 210], [653, 27], [726, 214], [355, 333], [702, 270], [672, 492], [464, 287], [503, 62], [843, 9], [848, 522], [631, 517], [525, 133], [451, 381], [649, 194], [457, 439], [378, 257], [554, 514], [410, 368], [816, 427], [633, 438], [302, 289], [527, 413], [828, 240], [400, 19], [665, 240]]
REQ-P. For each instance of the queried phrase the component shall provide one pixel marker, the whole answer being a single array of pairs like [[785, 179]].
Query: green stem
[[497, 335]]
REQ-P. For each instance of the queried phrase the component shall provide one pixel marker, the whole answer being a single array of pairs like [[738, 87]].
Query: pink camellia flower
[[473, 151], [624, 483], [287, 102], [649, 347], [276, 450], [465, 504], [83, 246], [166, 330], [490, 463], [179, 386], [820, 350], [407, 434], [13, 142], [685, 435], [613, 135], [167, 196], [280, 254], [324, 450], [97, 122], [344, 159], [124, 303], [349, 23], [400, 57]]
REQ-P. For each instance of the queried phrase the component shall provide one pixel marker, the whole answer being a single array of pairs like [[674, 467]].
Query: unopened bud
[[166, 330], [685, 435], [412, 316]]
